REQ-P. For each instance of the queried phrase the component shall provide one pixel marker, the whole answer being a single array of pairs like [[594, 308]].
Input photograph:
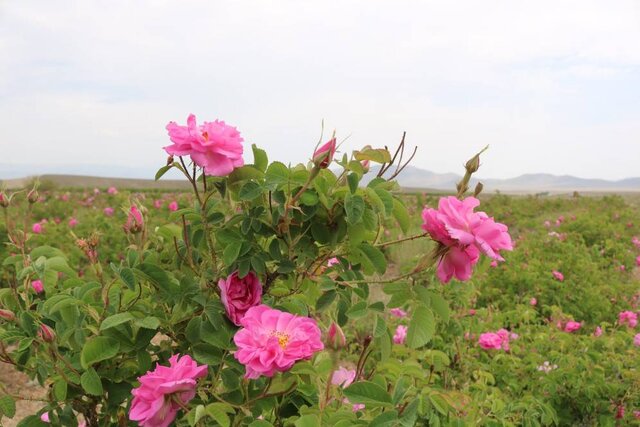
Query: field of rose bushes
[[276, 295]]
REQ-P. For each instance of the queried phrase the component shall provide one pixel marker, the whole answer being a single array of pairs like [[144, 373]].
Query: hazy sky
[[553, 86]]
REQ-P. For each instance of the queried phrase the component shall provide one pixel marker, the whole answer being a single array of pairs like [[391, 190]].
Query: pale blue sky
[[553, 86]]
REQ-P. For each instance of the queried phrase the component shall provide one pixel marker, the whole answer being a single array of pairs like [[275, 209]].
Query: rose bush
[[314, 294]]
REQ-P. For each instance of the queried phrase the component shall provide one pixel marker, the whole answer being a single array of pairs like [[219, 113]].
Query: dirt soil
[[18, 383]]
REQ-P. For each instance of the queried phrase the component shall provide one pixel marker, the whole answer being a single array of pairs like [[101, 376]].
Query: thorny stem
[[405, 239]]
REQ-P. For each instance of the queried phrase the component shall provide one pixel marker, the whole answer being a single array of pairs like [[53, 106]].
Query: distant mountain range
[[411, 177]]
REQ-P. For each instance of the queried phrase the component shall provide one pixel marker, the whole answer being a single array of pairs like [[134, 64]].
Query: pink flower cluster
[[465, 234], [163, 391], [496, 340], [628, 318], [214, 146], [272, 341]]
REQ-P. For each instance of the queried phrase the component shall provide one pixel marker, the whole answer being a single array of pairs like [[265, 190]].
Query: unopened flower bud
[[46, 333], [335, 337], [169, 160], [323, 156], [7, 315], [33, 196], [478, 189], [135, 221], [4, 200]]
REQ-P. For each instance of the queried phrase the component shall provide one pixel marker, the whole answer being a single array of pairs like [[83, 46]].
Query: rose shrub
[[314, 294]]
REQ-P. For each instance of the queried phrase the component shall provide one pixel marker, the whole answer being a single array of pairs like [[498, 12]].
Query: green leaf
[[91, 383], [385, 419], [162, 171], [354, 208], [368, 393], [378, 155], [440, 306], [260, 159], [97, 349], [421, 327], [401, 215], [352, 180], [32, 421], [127, 276], [231, 252], [357, 310], [309, 420], [277, 173], [7, 406], [250, 191], [115, 320], [218, 411], [60, 389], [376, 257], [152, 323]]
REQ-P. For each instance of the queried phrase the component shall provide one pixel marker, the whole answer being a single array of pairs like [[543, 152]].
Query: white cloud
[[95, 82]]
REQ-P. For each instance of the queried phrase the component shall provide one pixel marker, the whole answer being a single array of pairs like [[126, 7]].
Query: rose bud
[[4, 200], [46, 333], [33, 196], [135, 221], [323, 156], [335, 337], [7, 315]]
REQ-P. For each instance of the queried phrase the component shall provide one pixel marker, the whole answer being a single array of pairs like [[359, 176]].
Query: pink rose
[[401, 334], [37, 286], [45, 417], [398, 312], [73, 222], [628, 318], [333, 261], [638, 261], [572, 326], [493, 264], [343, 377], [636, 340], [173, 206], [37, 228], [335, 337], [164, 391], [112, 190], [272, 341], [490, 341], [239, 295], [157, 204], [214, 146], [557, 275], [323, 156], [533, 302], [108, 211], [466, 234], [597, 332]]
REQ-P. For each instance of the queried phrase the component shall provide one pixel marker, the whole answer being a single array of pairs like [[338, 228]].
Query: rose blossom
[[214, 146], [597, 332], [343, 377], [572, 326], [272, 341], [173, 206], [490, 341], [163, 391], [628, 318], [239, 295], [109, 211], [401, 334], [37, 286], [157, 204], [112, 190], [73, 222], [398, 312], [333, 261], [36, 228], [636, 340], [465, 234], [533, 302], [557, 275]]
